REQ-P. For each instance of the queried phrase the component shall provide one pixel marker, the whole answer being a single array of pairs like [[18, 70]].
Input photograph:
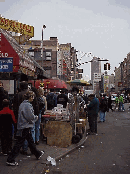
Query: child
[[7, 118]]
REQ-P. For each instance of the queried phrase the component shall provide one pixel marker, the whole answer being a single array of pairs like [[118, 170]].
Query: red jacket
[[7, 110]]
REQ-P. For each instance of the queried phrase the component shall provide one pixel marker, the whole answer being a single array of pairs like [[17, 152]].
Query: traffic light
[[108, 66], [105, 66]]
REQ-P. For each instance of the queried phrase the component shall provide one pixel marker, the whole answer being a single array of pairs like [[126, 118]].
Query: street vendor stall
[[64, 125], [58, 129]]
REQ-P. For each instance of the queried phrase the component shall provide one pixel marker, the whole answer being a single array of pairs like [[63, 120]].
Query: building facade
[[95, 73]]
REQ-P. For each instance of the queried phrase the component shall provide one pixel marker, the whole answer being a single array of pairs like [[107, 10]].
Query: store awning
[[50, 84]]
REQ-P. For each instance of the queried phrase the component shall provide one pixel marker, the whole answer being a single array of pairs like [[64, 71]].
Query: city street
[[105, 153]]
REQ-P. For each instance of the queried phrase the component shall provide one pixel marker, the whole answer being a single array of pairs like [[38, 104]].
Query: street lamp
[[44, 26]]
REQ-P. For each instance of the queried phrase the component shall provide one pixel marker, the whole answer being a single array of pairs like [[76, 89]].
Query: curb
[[75, 146]]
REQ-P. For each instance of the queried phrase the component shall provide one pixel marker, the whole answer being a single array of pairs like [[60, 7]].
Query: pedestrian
[[62, 99], [18, 98], [93, 109], [3, 95], [36, 112], [41, 103], [110, 104], [26, 120], [121, 103], [103, 107], [7, 118], [51, 100], [116, 102], [86, 99]]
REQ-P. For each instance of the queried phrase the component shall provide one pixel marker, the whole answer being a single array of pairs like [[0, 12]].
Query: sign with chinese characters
[[6, 64]]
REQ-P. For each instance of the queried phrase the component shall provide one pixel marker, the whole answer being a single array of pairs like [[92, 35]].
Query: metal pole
[[42, 49], [44, 26]]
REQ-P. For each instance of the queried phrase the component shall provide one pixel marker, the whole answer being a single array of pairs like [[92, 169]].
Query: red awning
[[51, 84]]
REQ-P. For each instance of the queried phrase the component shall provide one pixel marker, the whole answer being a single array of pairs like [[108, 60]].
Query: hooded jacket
[[26, 117]]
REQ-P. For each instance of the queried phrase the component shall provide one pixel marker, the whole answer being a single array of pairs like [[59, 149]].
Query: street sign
[[6, 64]]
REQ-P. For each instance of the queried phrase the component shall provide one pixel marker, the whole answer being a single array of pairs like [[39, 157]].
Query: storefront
[[15, 64]]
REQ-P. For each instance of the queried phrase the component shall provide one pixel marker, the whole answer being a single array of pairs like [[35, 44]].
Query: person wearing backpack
[[51, 100], [103, 107]]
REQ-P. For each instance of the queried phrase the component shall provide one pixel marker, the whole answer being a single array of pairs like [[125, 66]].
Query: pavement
[[29, 164]]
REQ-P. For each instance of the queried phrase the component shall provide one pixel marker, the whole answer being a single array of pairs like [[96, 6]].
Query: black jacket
[[103, 105]]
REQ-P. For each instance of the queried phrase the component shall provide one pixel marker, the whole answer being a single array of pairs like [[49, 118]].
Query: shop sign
[[16, 27], [6, 64]]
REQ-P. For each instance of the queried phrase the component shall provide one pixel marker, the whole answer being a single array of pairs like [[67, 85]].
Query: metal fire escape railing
[[21, 52]]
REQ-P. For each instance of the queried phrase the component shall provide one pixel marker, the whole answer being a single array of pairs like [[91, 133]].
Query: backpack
[[41, 103]]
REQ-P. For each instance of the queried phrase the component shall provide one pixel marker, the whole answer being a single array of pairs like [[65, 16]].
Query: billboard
[[16, 27], [6, 64]]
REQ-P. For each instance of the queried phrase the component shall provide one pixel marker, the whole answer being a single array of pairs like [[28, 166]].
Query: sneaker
[[37, 142], [100, 121], [42, 153], [5, 154], [12, 164]]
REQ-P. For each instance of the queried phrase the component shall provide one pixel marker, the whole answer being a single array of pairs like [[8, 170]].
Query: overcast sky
[[98, 26]]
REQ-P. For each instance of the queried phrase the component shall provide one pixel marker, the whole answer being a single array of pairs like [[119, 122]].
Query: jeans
[[35, 131], [102, 116], [37, 128], [121, 105], [26, 134]]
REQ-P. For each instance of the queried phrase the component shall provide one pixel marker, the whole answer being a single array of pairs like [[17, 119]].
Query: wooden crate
[[58, 133]]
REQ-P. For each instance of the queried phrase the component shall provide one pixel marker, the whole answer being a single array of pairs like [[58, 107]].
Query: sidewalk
[[29, 164]]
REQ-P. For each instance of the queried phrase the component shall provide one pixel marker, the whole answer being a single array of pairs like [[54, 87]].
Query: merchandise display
[[58, 113]]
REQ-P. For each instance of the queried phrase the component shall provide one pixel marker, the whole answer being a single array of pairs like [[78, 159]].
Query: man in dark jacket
[[51, 100], [93, 109], [62, 99], [18, 98], [103, 107]]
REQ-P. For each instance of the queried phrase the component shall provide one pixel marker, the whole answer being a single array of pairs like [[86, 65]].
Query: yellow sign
[[16, 27]]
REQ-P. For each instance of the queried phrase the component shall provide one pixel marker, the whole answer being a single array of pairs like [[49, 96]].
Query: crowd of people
[[98, 107], [20, 118], [24, 115]]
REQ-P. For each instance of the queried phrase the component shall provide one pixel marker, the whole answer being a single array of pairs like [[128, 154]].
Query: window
[[48, 55]]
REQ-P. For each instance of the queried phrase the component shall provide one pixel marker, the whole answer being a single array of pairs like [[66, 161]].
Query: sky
[[98, 26]]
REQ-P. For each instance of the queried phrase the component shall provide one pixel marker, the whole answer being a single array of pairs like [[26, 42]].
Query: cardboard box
[[58, 133]]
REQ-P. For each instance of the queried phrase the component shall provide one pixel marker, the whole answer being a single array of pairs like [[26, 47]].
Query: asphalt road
[[108, 152]]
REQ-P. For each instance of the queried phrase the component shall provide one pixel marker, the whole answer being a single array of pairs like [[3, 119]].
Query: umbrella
[[79, 82]]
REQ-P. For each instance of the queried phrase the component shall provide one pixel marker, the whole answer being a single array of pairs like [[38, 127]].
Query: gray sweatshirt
[[26, 117]]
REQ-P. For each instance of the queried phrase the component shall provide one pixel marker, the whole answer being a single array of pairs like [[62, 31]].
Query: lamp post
[[44, 26]]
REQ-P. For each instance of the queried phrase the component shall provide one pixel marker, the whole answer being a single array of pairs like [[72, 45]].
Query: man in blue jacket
[[93, 109]]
